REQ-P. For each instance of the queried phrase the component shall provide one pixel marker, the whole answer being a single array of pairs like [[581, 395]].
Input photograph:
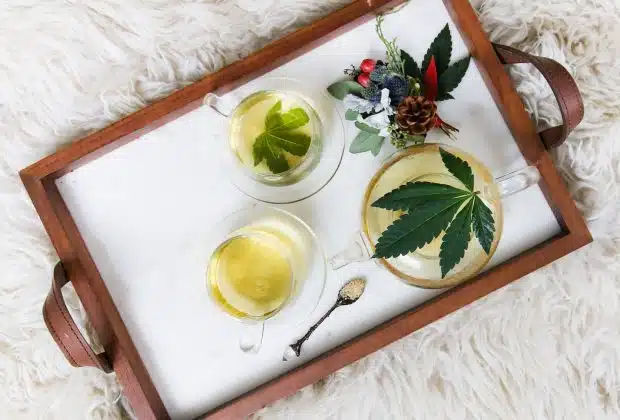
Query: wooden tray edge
[[38, 180]]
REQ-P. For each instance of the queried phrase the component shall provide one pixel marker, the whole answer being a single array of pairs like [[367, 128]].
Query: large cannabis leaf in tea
[[433, 208], [281, 135]]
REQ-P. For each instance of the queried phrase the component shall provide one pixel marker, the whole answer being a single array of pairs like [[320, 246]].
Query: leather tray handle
[[64, 330], [563, 86]]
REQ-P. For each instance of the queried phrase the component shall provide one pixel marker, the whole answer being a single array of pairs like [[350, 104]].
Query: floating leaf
[[417, 228], [459, 168], [280, 136], [483, 224], [413, 194], [455, 241]]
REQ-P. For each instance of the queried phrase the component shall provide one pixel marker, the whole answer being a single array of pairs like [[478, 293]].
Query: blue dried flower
[[398, 87], [372, 93], [378, 73]]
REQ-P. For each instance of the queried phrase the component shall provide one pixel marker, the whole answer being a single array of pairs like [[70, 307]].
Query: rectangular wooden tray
[[67, 189]]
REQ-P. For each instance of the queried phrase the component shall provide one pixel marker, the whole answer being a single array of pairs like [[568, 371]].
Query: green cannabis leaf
[[451, 77], [448, 76], [459, 168], [441, 49], [413, 194], [280, 136], [433, 208], [410, 66], [456, 239]]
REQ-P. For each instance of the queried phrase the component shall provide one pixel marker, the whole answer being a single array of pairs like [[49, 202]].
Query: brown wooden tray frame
[[82, 271]]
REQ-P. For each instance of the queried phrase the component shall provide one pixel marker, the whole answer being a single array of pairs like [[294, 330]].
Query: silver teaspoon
[[348, 294]]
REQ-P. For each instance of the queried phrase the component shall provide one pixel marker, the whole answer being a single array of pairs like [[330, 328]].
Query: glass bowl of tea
[[265, 264], [284, 140]]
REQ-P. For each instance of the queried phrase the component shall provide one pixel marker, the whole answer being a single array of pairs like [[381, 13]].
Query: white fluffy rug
[[548, 346]]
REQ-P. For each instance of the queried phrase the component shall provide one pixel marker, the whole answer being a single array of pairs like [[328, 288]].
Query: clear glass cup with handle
[[302, 174], [423, 163], [265, 264]]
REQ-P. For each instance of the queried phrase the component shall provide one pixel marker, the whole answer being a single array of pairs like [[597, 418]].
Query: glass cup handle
[[251, 337], [222, 105], [517, 181], [355, 251]]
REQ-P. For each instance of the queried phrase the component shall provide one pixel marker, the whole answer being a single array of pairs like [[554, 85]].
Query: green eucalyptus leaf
[[366, 141], [365, 127], [351, 114], [340, 89]]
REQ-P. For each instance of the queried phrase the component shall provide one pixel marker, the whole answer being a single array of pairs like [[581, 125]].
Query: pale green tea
[[276, 134]]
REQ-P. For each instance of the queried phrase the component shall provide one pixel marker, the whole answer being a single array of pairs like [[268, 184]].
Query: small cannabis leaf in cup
[[432, 208], [281, 135]]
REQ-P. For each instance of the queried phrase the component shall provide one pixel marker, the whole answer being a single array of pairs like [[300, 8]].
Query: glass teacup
[[424, 163], [284, 141], [266, 262]]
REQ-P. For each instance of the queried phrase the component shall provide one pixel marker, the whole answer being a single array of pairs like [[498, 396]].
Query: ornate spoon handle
[[297, 345]]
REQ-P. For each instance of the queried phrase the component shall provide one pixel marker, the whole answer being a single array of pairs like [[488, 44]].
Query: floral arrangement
[[396, 98]]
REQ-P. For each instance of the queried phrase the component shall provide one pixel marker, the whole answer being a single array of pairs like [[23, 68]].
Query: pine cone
[[416, 115]]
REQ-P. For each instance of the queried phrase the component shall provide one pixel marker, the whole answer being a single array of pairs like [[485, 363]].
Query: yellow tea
[[251, 277], [252, 274]]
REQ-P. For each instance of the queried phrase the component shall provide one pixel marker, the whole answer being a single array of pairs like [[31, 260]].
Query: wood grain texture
[[39, 181]]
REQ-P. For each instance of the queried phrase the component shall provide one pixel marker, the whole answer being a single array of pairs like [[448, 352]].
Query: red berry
[[368, 65], [363, 79]]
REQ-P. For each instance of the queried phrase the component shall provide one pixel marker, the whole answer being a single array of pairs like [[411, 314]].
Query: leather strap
[[563, 86], [64, 330]]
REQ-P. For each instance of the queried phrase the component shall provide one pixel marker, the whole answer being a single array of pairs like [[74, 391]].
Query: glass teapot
[[424, 163]]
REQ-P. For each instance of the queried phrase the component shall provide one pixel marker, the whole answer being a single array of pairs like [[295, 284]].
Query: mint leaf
[[450, 79], [263, 149], [483, 224], [459, 168], [340, 89], [280, 136], [273, 116], [293, 118], [417, 228], [351, 114], [455, 241], [413, 194], [410, 66], [365, 141], [441, 48]]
